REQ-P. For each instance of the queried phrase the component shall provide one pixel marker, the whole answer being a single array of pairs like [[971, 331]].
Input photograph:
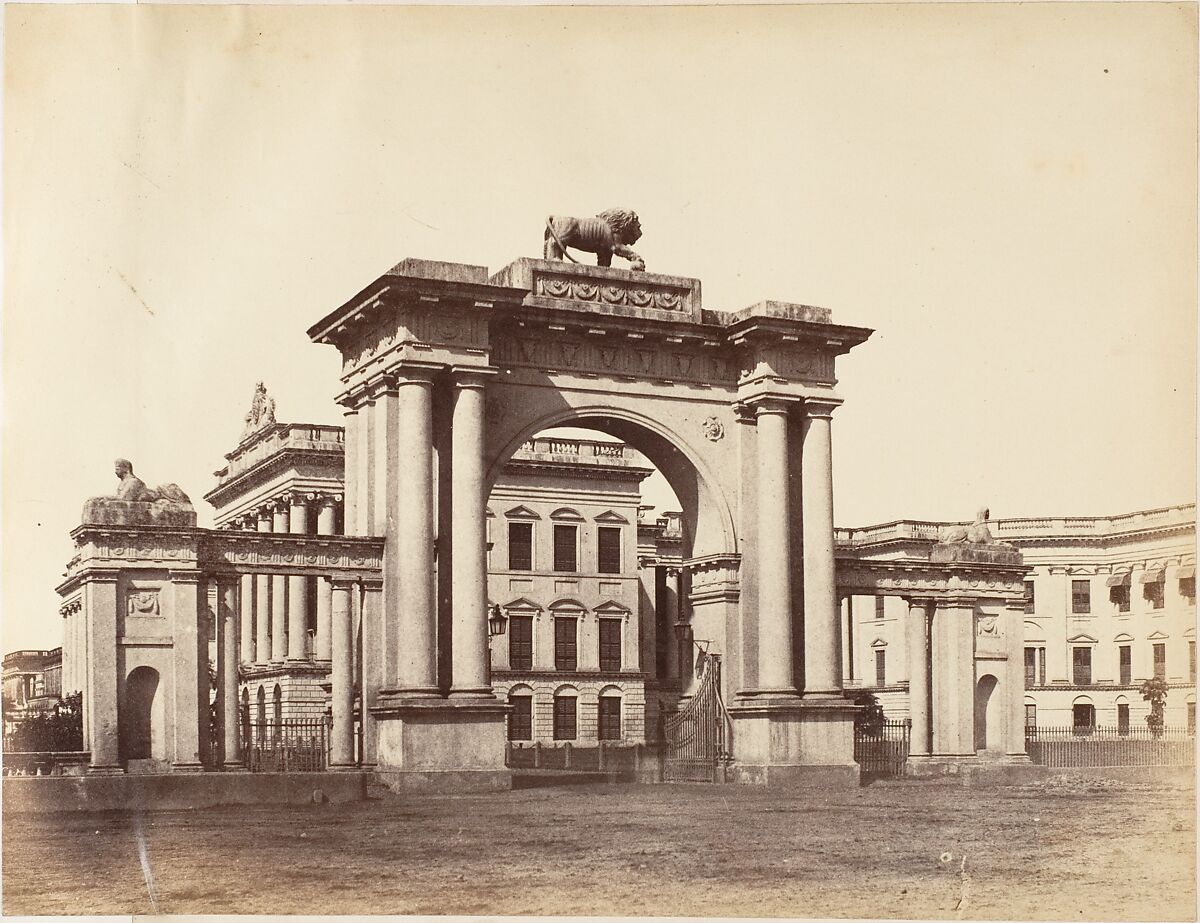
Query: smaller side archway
[[142, 726], [988, 719]]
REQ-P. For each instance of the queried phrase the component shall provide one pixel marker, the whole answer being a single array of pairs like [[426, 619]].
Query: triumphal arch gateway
[[446, 371]]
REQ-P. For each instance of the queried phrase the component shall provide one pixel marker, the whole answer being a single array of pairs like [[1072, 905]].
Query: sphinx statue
[[973, 542], [135, 504], [261, 413]]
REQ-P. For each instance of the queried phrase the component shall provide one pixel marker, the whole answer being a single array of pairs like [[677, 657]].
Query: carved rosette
[[634, 295]]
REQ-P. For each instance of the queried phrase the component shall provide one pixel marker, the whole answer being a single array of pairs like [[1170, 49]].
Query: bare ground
[[1060, 849]]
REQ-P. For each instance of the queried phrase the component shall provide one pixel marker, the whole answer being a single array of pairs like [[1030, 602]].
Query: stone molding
[[925, 580], [714, 578]]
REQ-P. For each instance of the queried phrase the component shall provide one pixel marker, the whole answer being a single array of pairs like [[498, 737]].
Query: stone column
[[468, 537], [670, 604], [953, 679], [279, 586], [297, 589], [341, 677], [100, 697], [917, 641], [371, 664], [822, 673], [227, 672], [386, 512], [774, 552], [326, 524], [417, 666], [191, 696], [262, 602], [1015, 678], [350, 480], [246, 617]]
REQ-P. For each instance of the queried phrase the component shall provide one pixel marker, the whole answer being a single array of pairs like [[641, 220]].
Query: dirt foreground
[[1064, 848]]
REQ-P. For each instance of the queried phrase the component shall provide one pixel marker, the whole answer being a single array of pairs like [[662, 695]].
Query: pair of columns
[[942, 682], [390, 491], [822, 659], [278, 605]]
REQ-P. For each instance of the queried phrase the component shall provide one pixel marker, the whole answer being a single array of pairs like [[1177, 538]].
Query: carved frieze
[[639, 294], [141, 603], [569, 355]]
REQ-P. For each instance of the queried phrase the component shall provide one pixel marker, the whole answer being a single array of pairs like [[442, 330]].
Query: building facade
[[1110, 602], [32, 683]]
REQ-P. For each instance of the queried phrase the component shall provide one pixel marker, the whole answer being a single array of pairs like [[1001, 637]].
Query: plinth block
[[435, 743], [778, 740]]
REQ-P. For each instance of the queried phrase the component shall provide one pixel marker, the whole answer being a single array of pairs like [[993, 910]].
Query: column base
[[233, 766], [788, 740], [106, 769], [482, 692], [187, 767], [772, 692], [410, 692], [433, 737]]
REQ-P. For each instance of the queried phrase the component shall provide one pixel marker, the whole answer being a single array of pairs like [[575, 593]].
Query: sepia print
[[460, 558]]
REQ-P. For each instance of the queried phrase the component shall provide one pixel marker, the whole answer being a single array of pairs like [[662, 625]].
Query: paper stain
[[136, 293], [144, 858]]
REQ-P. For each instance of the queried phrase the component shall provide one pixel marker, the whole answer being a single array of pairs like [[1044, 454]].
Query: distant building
[[32, 683], [1111, 601]]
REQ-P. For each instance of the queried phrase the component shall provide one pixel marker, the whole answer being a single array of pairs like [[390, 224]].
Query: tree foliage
[[870, 719], [1154, 691], [58, 731]]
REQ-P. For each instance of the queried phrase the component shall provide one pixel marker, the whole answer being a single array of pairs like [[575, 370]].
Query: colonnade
[[776, 444], [274, 608], [74, 649]]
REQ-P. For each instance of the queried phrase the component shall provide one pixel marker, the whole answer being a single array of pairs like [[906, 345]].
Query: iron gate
[[698, 738], [881, 749]]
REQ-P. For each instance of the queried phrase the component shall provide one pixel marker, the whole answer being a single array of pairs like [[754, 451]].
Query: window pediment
[[522, 603], [521, 512], [1123, 638], [1157, 636], [566, 514], [878, 642], [608, 516], [1081, 639], [568, 606], [611, 607]]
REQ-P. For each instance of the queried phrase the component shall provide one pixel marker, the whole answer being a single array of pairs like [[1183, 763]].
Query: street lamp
[[496, 621]]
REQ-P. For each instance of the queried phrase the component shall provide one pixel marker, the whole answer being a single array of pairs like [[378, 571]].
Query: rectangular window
[[520, 719], [520, 642], [520, 546], [1192, 660], [610, 644], [1187, 587], [1122, 719], [1154, 593], [878, 607], [1081, 597], [1030, 715], [564, 717], [564, 549], [1081, 666], [1030, 667], [608, 540], [565, 649], [1160, 661], [1030, 598], [1125, 656], [610, 717], [1120, 597], [881, 668], [1083, 718], [1191, 717]]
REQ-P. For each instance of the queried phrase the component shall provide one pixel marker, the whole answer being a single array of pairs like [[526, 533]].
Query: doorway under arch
[[143, 735], [989, 733]]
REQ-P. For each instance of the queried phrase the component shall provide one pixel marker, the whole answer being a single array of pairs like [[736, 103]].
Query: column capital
[[343, 583], [821, 407], [324, 498], [770, 404], [416, 372], [381, 384], [920, 602], [472, 376]]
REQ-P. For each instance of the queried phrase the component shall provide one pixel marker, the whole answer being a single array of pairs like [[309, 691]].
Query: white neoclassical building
[[1110, 602]]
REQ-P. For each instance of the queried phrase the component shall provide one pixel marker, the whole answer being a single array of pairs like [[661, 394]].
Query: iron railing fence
[[612, 756], [881, 749], [286, 745], [1095, 746]]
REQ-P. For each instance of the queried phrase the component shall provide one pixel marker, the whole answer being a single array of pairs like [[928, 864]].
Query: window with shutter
[[520, 546], [520, 642], [564, 717], [609, 549], [610, 644], [520, 719], [565, 644], [610, 717], [564, 548]]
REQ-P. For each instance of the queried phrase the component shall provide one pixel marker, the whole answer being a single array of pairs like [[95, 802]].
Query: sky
[[1005, 193]]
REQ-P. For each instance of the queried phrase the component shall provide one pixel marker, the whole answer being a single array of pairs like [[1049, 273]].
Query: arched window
[[609, 714], [566, 714], [1083, 716], [277, 704], [520, 718]]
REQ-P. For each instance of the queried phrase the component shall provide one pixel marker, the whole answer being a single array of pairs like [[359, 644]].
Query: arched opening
[[988, 729], [261, 705], [277, 706], [142, 735]]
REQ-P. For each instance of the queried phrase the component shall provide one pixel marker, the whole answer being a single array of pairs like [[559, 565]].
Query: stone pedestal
[[441, 743], [786, 742]]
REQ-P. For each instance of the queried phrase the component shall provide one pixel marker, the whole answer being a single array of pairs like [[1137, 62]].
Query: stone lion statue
[[610, 232]]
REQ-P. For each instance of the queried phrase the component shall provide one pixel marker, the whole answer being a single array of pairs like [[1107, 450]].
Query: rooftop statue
[[973, 543], [135, 504], [261, 413], [610, 232]]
